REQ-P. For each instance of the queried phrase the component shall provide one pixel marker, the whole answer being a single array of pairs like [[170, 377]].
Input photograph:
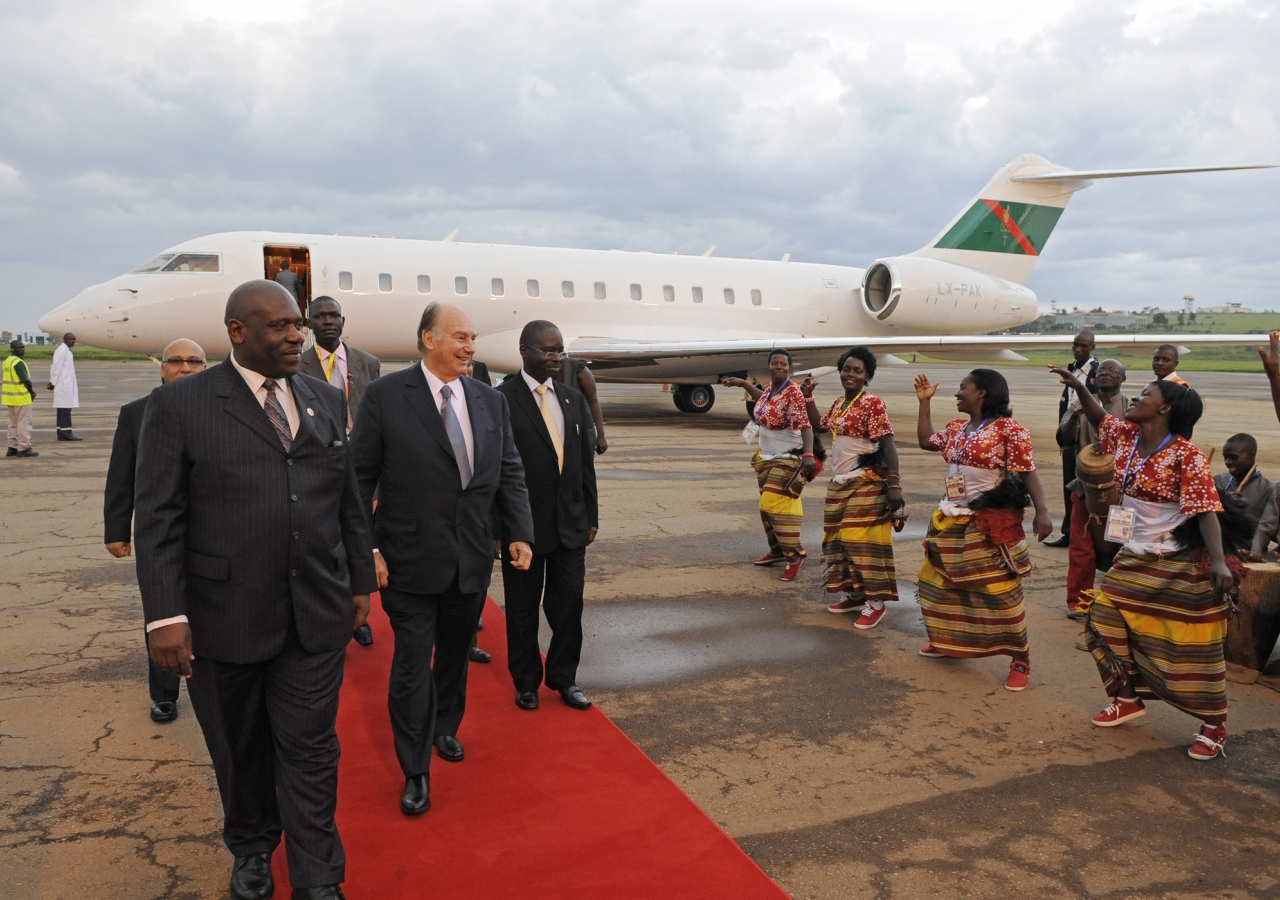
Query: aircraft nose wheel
[[694, 398]]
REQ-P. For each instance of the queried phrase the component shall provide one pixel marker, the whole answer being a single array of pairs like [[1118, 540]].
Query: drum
[[1251, 635], [1097, 472]]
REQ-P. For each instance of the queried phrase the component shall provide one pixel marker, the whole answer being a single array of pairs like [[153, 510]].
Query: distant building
[[1098, 319], [1229, 309], [6, 337]]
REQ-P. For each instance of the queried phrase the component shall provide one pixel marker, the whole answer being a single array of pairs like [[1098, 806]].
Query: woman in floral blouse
[[784, 462], [976, 550], [864, 492], [1156, 626]]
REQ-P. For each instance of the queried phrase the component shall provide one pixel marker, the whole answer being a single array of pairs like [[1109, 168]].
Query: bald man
[[254, 565], [180, 359]]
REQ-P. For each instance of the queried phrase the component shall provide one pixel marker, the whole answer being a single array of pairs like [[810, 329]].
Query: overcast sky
[[836, 131]]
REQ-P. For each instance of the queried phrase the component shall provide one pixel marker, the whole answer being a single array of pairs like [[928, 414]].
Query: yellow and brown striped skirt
[[857, 539], [781, 511]]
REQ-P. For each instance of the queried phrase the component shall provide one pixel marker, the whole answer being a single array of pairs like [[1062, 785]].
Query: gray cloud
[[837, 132]]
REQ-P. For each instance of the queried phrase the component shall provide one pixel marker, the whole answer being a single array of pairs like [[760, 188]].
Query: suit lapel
[[570, 418], [527, 403], [418, 396], [241, 405], [479, 419], [306, 402]]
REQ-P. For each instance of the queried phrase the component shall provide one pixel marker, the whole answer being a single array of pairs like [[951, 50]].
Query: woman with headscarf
[[976, 550], [784, 462], [864, 492], [1157, 625]]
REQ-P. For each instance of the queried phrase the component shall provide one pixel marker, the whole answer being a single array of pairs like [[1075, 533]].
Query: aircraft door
[[299, 260]]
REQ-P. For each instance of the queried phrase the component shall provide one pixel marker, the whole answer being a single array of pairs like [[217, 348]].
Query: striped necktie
[[275, 412], [453, 428]]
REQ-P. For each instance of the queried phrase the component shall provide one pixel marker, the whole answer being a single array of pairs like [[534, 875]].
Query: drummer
[[1157, 625], [1075, 432]]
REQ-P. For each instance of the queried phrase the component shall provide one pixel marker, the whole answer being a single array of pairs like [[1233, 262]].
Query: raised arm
[[747, 386], [1093, 410], [811, 405], [924, 421]]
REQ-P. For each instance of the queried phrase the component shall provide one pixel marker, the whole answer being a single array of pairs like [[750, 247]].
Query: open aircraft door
[[274, 257]]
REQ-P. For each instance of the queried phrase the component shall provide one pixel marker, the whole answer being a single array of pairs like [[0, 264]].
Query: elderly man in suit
[[255, 564], [438, 449], [552, 427], [343, 366], [180, 359]]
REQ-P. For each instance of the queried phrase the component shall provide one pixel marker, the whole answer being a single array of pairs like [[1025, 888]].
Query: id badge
[[749, 433], [1119, 525], [955, 487]]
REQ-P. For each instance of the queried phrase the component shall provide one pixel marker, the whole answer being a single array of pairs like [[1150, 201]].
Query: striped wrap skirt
[[781, 511], [857, 539], [1157, 623], [971, 590]]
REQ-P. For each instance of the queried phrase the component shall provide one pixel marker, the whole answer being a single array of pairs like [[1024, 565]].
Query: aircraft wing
[[810, 352]]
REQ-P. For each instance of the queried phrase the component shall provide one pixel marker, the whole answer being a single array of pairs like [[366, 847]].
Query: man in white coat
[[62, 381]]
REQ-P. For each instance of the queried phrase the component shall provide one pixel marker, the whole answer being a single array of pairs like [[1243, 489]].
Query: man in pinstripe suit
[[255, 564]]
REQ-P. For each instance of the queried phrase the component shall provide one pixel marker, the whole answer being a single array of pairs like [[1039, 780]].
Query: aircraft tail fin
[[1005, 228]]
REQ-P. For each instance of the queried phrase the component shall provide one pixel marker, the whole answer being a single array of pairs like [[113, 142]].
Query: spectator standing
[[1086, 367], [18, 395], [1164, 363], [62, 381]]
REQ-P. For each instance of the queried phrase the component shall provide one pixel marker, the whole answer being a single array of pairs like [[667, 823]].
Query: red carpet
[[556, 803]]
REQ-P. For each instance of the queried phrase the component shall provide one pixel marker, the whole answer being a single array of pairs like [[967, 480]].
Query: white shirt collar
[[534, 385], [436, 383], [252, 378]]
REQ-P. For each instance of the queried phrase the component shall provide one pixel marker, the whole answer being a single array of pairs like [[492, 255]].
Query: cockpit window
[[183, 262]]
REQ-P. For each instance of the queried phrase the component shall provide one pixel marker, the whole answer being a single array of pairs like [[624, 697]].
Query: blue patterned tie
[[454, 429], [275, 412]]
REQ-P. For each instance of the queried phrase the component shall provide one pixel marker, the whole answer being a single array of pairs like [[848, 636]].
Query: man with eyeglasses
[[180, 359]]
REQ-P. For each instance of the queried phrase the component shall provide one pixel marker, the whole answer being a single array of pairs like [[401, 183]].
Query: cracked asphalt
[[842, 762]]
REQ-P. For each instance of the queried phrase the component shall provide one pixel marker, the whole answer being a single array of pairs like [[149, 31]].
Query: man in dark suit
[[1085, 366], [181, 358], [552, 427], [337, 362], [437, 447], [255, 564]]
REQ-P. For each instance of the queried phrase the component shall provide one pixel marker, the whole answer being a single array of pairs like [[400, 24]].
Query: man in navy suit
[[255, 564], [552, 427], [437, 447]]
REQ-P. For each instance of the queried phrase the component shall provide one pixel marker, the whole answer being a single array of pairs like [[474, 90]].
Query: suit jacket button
[[293, 573], [293, 497], [288, 462], [297, 534]]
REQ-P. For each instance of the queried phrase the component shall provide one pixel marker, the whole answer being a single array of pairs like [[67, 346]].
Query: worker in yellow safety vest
[[18, 393]]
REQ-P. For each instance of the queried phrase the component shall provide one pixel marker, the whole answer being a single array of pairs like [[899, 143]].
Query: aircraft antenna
[[709, 250], [448, 238]]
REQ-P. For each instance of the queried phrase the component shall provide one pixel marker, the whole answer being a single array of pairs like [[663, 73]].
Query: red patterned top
[[864, 418], [783, 411], [1177, 473], [1000, 444]]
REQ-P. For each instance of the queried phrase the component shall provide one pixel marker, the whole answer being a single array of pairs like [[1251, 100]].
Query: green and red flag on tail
[[998, 226]]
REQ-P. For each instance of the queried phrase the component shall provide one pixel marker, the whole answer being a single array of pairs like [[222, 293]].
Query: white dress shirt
[[285, 395], [337, 377], [556, 412], [459, 402]]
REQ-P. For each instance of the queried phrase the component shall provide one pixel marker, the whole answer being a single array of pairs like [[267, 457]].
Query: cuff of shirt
[[160, 623]]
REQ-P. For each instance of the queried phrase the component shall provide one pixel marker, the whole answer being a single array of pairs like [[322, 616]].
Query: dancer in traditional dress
[[864, 492], [784, 462], [975, 550], [1157, 625]]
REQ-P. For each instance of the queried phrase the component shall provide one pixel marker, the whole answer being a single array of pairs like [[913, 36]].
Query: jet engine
[[915, 294]]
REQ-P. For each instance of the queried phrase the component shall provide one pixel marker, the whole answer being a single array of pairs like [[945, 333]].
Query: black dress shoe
[[163, 711], [363, 635], [251, 877], [69, 437], [29, 452], [475, 654], [573, 696], [480, 625], [13, 451], [416, 797], [527, 699], [328, 892], [449, 748], [1064, 541]]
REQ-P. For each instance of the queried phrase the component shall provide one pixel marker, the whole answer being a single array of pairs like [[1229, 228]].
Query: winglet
[[709, 250], [448, 238]]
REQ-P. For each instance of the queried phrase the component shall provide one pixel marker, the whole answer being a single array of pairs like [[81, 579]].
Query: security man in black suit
[[552, 427], [181, 358], [437, 447], [255, 564]]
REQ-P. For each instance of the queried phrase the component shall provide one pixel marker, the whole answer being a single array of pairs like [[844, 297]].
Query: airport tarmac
[[846, 765]]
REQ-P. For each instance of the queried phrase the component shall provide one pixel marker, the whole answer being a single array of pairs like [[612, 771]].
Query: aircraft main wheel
[[699, 398], [677, 397]]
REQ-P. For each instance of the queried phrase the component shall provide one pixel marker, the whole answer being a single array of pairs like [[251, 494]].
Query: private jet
[[637, 317]]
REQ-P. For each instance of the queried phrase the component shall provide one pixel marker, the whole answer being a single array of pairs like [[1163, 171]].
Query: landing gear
[[694, 398]]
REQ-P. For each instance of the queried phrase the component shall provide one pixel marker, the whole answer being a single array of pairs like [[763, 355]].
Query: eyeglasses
[[550, 354], [183, 362]]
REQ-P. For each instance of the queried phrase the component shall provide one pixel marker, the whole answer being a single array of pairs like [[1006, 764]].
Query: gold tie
[[545, 405]]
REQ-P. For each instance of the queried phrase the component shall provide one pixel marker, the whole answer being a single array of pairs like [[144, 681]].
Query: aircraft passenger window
[[756, 299], [424, 284], [636, 294], [460, 285], [497, 287], [697, 295], [531, 287], [599, 290], [194, 262], [668, 293], [384, 283], [154, 265], [566, 290], [344, 281], [728, 295]]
